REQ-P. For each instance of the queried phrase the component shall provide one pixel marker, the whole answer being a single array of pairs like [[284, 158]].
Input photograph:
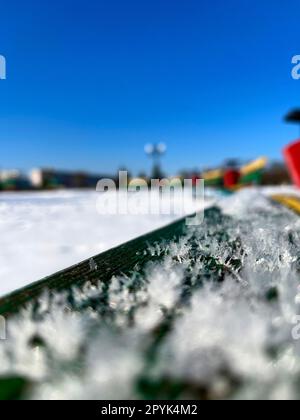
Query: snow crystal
[[210, 317]]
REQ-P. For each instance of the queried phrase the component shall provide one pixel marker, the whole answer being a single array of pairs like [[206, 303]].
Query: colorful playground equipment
[[292, 158], [234, 178], [292, 151], [213, 178]]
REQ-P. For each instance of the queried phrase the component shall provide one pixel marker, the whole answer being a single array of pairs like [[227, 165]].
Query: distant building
[[6, 174], [12, 180], [52, 179]]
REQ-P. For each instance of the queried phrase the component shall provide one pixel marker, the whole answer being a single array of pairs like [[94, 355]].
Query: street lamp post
[[155, 152]]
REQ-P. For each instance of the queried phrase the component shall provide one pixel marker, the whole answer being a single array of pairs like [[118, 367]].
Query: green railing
[[126, 258]]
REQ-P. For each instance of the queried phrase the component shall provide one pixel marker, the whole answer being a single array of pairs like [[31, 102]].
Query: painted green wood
[[124, 259]]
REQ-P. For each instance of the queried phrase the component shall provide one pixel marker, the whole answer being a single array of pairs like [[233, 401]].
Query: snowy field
[[42, 233], [214, 315]]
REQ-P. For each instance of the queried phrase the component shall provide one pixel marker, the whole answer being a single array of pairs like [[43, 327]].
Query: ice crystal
[[210, 316]]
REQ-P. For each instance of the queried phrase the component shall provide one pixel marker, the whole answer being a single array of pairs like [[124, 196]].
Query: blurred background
[[97, 86]]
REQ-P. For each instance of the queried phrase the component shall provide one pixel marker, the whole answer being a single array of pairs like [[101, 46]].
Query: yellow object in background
[[291, 202], [254, 166], [217, 173]]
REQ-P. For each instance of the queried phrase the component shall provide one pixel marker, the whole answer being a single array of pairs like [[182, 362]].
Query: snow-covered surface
[[45, 232], [228, 293]]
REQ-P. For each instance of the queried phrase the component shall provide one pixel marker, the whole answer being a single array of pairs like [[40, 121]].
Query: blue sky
[[90, 82]]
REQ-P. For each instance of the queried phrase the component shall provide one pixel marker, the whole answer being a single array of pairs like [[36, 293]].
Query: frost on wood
[[211, 316]]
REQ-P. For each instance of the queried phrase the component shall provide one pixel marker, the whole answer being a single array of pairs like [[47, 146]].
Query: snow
[[45, 232], [195, 318]]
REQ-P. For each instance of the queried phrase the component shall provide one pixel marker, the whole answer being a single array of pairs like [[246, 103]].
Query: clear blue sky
[[90, 82]]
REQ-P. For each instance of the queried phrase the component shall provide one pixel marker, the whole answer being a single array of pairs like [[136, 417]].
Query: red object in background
[[292, 158], [231, 178], [195, 179]]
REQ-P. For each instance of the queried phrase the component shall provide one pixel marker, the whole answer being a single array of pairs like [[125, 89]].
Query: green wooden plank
[[122, 259]]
